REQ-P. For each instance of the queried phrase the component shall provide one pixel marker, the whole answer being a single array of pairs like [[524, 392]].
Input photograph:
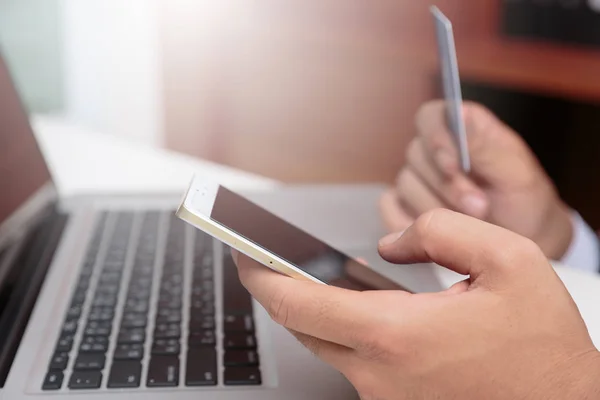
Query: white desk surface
[[83, 162]]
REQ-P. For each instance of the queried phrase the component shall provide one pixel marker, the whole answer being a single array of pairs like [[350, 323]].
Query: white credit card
[[451, 83]]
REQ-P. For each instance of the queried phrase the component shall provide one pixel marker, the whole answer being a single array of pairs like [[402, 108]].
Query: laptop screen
[[23, 170]]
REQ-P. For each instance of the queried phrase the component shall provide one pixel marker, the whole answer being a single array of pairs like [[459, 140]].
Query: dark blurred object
[[561, 132], [572, 21]]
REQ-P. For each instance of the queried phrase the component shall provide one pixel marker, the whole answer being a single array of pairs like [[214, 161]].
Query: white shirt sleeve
[[584, 251]]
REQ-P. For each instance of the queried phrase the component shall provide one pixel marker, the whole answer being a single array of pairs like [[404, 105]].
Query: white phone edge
[[193, 211]]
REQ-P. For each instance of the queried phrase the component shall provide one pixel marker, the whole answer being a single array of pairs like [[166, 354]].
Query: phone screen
[[293, 244]]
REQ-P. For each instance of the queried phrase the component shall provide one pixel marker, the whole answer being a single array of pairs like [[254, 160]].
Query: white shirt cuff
[[583, 253]]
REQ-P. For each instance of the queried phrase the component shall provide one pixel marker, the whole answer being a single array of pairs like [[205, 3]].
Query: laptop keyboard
[[133, 322]]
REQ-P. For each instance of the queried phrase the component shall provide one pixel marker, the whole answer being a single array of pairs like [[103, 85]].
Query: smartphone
[[273, 242]]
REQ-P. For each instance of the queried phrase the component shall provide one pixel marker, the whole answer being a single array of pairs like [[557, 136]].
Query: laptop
[[113, 297]]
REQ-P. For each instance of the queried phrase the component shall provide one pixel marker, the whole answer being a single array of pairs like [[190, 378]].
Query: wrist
[[556, 233]]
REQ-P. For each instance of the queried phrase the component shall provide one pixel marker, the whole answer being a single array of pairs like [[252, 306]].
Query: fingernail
[[234, 255], [474, 204], [445, 161], [391, 238]]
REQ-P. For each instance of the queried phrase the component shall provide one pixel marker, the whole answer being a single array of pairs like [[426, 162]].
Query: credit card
[[451, 83]]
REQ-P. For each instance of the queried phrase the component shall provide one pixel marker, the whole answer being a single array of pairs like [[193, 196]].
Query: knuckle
[[412, 153], [439, 140], [278, 307], [484, 128], [425, 227], [476, 109], [376, 346], [388, 343], [521, 250], [422, 225], [425, 222]]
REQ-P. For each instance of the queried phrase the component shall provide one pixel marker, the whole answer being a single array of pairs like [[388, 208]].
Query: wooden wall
[[326, 90]]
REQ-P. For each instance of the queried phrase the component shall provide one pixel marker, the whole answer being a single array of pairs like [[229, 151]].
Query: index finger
[[433, 129], [326, 312]]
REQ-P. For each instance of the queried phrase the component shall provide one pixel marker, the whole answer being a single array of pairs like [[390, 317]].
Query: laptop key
[[201, 367], [201, 322], [131, 336], [64, 344], [86, 362], [202, 307], [74, 312], [206, 273], [93, 348], [166, 347], [204, 338], [100, 316], [125, 374], [138, 322], [129, 352], [172, 317], [241, 358], [85, 380], [83, 283], [140, 294], [69, 327], [169, 303], [141, 282], [163, 371], [169, 334], [59, 361], [238, 323], [234, 376], [78, 298], [144, 266], [105, 301], [107, 290], [92, 343], [137, 306], [167, 331], [53, 380], [98, 328], [239, 341]]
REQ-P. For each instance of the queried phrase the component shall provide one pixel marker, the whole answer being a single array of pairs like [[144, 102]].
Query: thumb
[[468, 246]]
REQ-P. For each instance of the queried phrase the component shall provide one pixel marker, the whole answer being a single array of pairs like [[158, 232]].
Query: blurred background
[[311, 90]]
